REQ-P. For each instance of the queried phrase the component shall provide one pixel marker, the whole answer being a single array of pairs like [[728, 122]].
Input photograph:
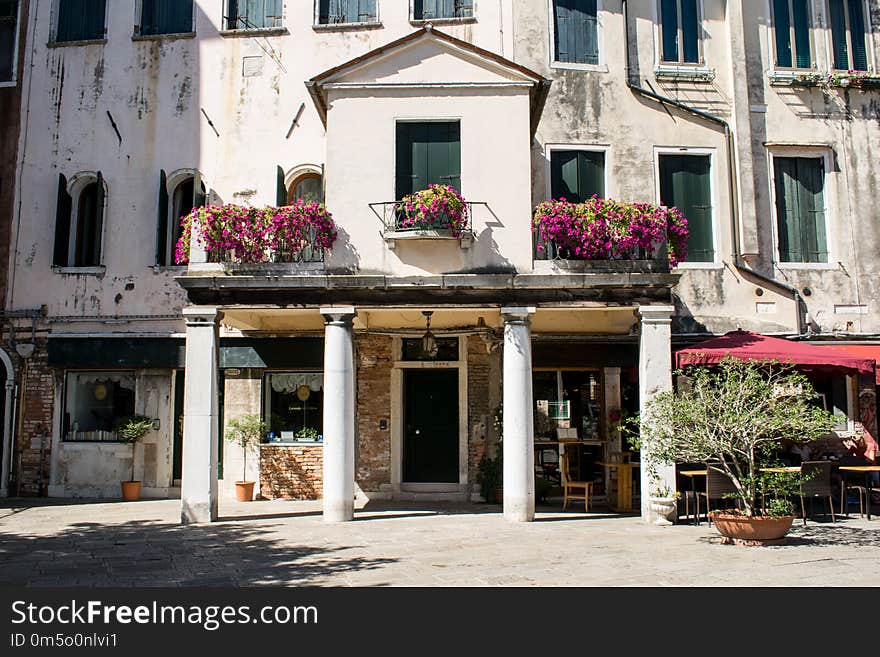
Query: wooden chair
[[816, 482], [846, 487], [718, 484], [570, 488]]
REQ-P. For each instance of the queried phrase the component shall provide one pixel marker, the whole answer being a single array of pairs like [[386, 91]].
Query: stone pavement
[[60, 543]]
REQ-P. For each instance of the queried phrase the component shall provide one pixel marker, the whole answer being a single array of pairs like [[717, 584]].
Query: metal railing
[[394, 218], [551, 251]]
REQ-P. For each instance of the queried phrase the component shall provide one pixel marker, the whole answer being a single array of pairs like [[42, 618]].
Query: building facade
[[381, 365]]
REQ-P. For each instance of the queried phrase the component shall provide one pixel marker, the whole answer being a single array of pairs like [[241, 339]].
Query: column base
[[519, 510], [198, 512], [338, 511]]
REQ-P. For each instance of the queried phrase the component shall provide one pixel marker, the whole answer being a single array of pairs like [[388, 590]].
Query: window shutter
[[690, 30], [199, 191], [782, 32], [98, 230], [669, 27], [445, 9], [443, 155], [686, 184], [149, 22], [563, 25], [802, 33], [563, 176], [788, 210], [367, 11], [162, 221], [591, 174], [323, 12], [857, 35], [464, 8], [280, 187], [94, 19], [404, 161], [63, 209], [425, 9], [812, 181], [837, 17], [590, 33]]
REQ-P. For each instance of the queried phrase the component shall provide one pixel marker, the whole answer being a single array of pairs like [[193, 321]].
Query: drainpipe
[[803, 328]]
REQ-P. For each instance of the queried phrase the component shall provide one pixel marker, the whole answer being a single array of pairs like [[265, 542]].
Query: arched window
[[177, 197], [309, 187], [79, 223]]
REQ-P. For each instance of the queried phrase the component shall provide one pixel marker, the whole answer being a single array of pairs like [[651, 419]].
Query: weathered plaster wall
[[242, 395]]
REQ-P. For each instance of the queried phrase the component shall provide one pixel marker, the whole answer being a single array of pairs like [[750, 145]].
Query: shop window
[[577, 175], [849, 34], [166, 17], [424, 10], [576, 31], [685, 183], [791, 27], [346, 11], [294, 406], [188, 193], [8, 30], [679, 32], [253, 14], [800, 209], [95, 402], [80, 20], [79, 225], [427, 154]]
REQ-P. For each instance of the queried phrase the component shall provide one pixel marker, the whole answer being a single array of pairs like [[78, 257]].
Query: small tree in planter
[[735, 416], [245, 431], [130, 430]]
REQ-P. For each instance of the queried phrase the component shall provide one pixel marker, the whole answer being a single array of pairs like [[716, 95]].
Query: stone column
[[339, 405], [655, 376], [201, 431], [519, 431]]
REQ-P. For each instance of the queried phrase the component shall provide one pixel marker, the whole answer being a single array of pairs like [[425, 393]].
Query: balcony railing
[[635, 259], [397, 225], [304, 252]]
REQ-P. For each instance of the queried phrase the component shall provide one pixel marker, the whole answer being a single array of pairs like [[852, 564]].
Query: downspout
[[733, 187]]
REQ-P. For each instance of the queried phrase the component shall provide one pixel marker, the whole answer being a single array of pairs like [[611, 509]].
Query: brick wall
[[291, 472], [36, 418], [479, 412], [373, 458]]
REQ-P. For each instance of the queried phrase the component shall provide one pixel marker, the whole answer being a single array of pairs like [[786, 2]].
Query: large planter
[[131, 491], [665, 510], [755, 530], [244, 491]]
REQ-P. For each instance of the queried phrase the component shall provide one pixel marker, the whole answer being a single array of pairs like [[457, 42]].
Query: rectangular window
[[253, 14], [8, 29], [424, 10], [80, 20], [95, 402], [848, 34], [294, 406], [166, 17], [685, 183], [427, 154], [346, 11], [680, 31], [577, 175], [791, 25], [800, 209], [576, 33]]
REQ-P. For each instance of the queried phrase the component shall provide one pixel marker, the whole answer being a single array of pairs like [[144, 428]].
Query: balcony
[[398, 224]]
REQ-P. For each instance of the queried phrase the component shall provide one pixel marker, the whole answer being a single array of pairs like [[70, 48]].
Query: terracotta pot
[[244, 491], [131, 491], [756, 530]]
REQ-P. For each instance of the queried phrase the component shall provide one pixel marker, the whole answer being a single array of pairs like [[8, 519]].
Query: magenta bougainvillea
[[439, 206], [603, 229], [249, 235]]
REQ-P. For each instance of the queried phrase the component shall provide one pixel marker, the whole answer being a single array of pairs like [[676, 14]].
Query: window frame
[[811, 28], [265, 404], [439, 21], [317, 25], [138, 22], [605, 149], [251, 31], [65, 394], [717, 261], [668, 65], [434, 119], [13, 75], [173, 181], [830, 210], [869, 36], [75, 187], [54, 17], [602, 65]]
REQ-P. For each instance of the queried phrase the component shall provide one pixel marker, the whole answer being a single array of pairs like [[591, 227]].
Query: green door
[[430, 426]]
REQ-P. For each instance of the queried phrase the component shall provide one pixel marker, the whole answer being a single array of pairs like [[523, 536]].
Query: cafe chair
[[846, 487], [816, 482], [570, 489], [718, 485]]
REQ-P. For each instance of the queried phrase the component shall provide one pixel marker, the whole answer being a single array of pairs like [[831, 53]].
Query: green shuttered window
[[848, 34], [8, 24], [253, 14], [685, 183], [166, 16], [427, 9], [427, 154], [800, 209], [791, 24], [680, 31], [577, 175], [576, 34], [346, 11], [80, 20]]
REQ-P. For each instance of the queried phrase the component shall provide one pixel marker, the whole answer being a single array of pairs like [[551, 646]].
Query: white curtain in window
[[125, 381], [289, 382]]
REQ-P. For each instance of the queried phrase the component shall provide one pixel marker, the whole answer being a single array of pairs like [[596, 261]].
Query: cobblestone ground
[[54, 543]]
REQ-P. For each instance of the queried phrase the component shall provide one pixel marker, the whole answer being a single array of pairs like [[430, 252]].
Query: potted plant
[[438, 207], [130, 430], [245, 431], [489, 477], [733, 416], [306, 435]]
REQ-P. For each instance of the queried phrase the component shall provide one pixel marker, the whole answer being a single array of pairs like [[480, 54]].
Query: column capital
[[517, 314], [202, 315], [656, 314], [338, 314]]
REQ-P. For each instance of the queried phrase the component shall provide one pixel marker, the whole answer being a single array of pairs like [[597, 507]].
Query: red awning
[[871, 351], [754, 346]]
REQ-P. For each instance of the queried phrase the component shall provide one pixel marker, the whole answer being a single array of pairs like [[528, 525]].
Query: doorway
[[430, 426]]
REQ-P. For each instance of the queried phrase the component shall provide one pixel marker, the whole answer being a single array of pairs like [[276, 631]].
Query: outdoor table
[[867, 469], [782, 470], [692, 475], [624, 485]]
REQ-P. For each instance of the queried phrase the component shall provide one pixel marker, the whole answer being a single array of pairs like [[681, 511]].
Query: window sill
[[5, 84], [163, 37], [443, 21], [573, 66], [684, 73], [786, 77], [255, 32], [294, 443], [84, 42], [346, 27], [788, 266], [80, 271], [699, 265], [161, 269]]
